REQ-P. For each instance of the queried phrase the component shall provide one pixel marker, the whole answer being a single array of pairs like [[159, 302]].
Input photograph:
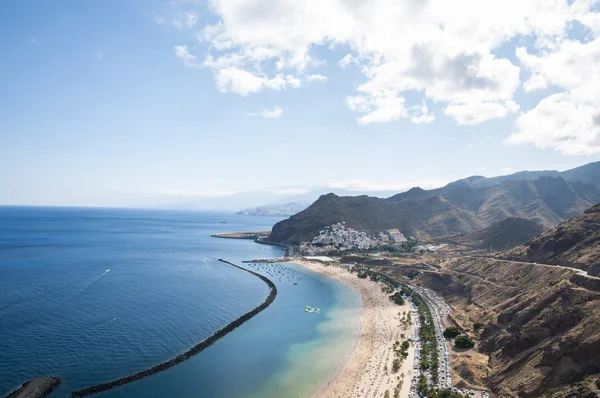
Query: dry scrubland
[[541, 326]]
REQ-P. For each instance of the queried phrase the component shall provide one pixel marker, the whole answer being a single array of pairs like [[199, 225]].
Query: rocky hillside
[[503, 235], [540, 325], [459, 207], [575, 242]]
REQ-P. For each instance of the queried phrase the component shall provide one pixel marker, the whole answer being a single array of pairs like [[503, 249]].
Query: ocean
[[90, 295]]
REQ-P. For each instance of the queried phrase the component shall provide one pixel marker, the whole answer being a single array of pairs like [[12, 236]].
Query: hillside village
[[339, 237]]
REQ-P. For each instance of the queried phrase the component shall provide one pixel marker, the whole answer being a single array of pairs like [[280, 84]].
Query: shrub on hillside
[[451, 332], [464, 341]]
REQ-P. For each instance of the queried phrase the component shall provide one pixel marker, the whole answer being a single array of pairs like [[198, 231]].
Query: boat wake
[[88, 283]]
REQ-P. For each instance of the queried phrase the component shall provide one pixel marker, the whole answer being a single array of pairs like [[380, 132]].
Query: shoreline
[[192, 351], [366, 370]]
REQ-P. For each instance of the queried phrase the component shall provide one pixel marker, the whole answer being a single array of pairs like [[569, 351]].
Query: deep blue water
[[90, 295]]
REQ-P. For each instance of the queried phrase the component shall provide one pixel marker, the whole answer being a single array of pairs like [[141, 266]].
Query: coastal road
[[577, 270], [438, 309]]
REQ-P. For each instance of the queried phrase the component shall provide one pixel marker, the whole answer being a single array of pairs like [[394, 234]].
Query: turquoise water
[[90, 295]]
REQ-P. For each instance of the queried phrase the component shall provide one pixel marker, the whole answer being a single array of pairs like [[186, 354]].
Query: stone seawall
[[192, 351], [35, 388]]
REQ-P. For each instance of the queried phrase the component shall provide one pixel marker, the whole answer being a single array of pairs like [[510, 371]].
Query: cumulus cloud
[[316, 78], [443, 51], [243, 82], [569, 121], [380, 107], [474, 113], [272, 113], [185, 56]]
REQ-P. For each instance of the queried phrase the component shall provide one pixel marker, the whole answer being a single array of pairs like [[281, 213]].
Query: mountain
[[537, 324], [588, 174], [286, 209], [575, 242], [503, 235], [463, 206], [540, 326]]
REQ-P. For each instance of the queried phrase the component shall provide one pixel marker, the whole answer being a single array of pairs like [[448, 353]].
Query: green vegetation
[[422, 385], [429, 349], [387, 289], [386, 394], [477, 326], [451, 332], [404, 247], [398, 387], [400, 354], [405, 346], [444, 393], [397, 298], [411, 273], [464, 341], [409, 246]]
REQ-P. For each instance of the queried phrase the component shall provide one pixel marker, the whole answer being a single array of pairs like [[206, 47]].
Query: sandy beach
[[368, 371]]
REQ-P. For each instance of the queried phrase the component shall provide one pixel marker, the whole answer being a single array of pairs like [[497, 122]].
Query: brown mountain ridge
[[464, 206], [574, 243]]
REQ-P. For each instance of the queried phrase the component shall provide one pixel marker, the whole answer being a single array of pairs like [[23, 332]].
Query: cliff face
[[541, 323], [459, 207], [576, 242]]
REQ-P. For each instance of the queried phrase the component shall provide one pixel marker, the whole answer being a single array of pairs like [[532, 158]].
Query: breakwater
[[192, 351], [35, 388]]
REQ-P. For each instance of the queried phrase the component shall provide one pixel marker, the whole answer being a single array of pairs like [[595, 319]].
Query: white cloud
[[443, 51], [368, 186], [568, 121], [474, 113], [242, 82], [272, 113], [346, 61], [99, 55], [316, 78], [32, 40], [422, 116], [561, 123], [185, 56], [381, 107], [185, 20], [160, 20]]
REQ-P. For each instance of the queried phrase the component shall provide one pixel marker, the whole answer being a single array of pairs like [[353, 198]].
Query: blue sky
[[144, 103]]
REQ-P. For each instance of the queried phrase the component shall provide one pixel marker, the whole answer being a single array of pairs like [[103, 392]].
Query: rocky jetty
[[192, 351], [36, 388]]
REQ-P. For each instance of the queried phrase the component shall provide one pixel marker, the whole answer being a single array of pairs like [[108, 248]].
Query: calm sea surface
[[91, 295]]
